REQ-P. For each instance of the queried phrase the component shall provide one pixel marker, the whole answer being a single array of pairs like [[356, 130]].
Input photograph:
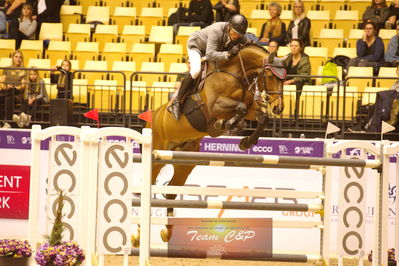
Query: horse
[[228, 98]]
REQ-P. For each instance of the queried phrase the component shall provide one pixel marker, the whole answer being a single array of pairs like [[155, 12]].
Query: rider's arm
[[211, 47]]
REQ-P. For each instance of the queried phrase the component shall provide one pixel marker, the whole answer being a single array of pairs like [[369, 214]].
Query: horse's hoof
[[135, 239], [246, 143], [166, 234]]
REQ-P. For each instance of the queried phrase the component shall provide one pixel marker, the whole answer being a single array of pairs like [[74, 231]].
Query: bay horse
[[228, 97]]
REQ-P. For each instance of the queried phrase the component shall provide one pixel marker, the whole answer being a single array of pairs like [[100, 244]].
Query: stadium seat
[[349, 52], [104, 95], [331, 38], [99, 66], [105, 33], [358, 5], [7, 47], [86, 3], [159, 93], [113, 4], [182, 36], [114, 52], [40, 63], [351, 103], [369, 94], [354, 35], [98, 14], [320, 73], [386, 35], [170, 53], [142, 52], [309, 4], [289, 100], [127, 67], [79, 91], [51, 89], [86, 51], [51, 31], [5, 61], [78, 33], [253, 31], [132, 34], [151, 16], [360, 72], [152, 67], [283, 51], [168, 6], [313, 102], [317, 57], [346, 20], [161, 34], [31, 49], [387, 72], [177, 68], [285, 16], [123, 16], [58, 50], [246, 6], [70, 15], [332, 5], [135, 97], [257, 18], [319, 20]]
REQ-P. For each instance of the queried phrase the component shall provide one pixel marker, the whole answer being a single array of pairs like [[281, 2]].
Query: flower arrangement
[[56, 251], [391, 256], [15, 248]]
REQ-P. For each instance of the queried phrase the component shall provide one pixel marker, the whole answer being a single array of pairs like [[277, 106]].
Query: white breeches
[[195, 62]]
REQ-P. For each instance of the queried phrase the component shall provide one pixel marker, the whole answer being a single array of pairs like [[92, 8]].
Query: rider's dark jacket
[[213, 42]]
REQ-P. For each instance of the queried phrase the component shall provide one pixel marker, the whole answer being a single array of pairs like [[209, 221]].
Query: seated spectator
[[369, 49], [26, 25], [12, 85], [63, 80], [393, 16], [273, 29], [199, 14], [299, 27], [378, 13], [225, 9], [297, 63], [392, 54], [14, 8], [273, 47], [35, 95]]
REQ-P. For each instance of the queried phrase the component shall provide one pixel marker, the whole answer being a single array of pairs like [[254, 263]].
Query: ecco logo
[[267, 149]]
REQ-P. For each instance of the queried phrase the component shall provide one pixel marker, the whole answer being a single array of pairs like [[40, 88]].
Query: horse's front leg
[[247, 142], [231, 112]]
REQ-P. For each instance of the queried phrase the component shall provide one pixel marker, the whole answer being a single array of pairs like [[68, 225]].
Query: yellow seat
[[317, 57], [51, 89], [113, 4], [135, 97], [140, 4], [358, 5], [132, 34], [354, 35], [313, 102], [86, 51], [105, 33], [40, 63], [78, 33], [286, 17], [331, 38], [182, 35], [369, 94], [104, 95], [170, 53], [360, 72], [86, 3], [246, 6], [386, 35], [254, 31], [289, 100], [346, 20], [152, 67], [257, 18], [5, 61], [351, 103], [79, 91], [332, 5], [7, 47], [142, 52], [114, 52], [70, 15], [58, 50], [176, 68], [51, 31], [309, 4], [319, 20], [127, 67], [98, 13], [123, 16], [100, 66], [387, 72], [320, 73], [31, 49], [349, 52], [283, 51], [151, 16], [161, 34], [159, 93]]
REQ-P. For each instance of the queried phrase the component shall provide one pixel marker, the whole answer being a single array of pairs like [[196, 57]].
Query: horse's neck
[[253, 57]]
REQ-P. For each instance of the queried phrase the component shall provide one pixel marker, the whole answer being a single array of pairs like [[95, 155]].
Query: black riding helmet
[[239, 24]]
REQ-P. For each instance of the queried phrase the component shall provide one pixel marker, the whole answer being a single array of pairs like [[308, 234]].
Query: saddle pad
[[194, 115]]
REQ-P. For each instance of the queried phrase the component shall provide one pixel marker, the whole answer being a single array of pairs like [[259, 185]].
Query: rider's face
[[234, 35]]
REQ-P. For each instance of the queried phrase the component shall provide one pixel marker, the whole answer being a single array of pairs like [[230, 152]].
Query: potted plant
[[391, 257], [56, 251], [14, 252]]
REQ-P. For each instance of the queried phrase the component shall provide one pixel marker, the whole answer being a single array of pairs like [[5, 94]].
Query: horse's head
[[271, 82]]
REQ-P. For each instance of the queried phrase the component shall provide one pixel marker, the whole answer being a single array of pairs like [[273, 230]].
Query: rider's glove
[[234, 50]]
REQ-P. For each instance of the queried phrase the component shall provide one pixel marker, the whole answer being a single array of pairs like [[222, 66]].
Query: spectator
[[14, 8], [273, 47], [225, 9], [378, 13], [369, 49], [273, 29], [48, 11], [26, 25], [199, 13], [63, 80], [395, 103], [392, 54], [299, 27], [34, 96], [393, 16], [12, 85], [297, 63]]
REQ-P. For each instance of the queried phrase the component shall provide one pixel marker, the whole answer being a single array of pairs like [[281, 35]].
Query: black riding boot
[[177, 105]]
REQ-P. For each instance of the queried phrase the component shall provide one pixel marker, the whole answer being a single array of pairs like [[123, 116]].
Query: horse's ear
[[271, 57]]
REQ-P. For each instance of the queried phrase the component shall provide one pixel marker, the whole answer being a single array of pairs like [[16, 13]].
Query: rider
[[219, 41]]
